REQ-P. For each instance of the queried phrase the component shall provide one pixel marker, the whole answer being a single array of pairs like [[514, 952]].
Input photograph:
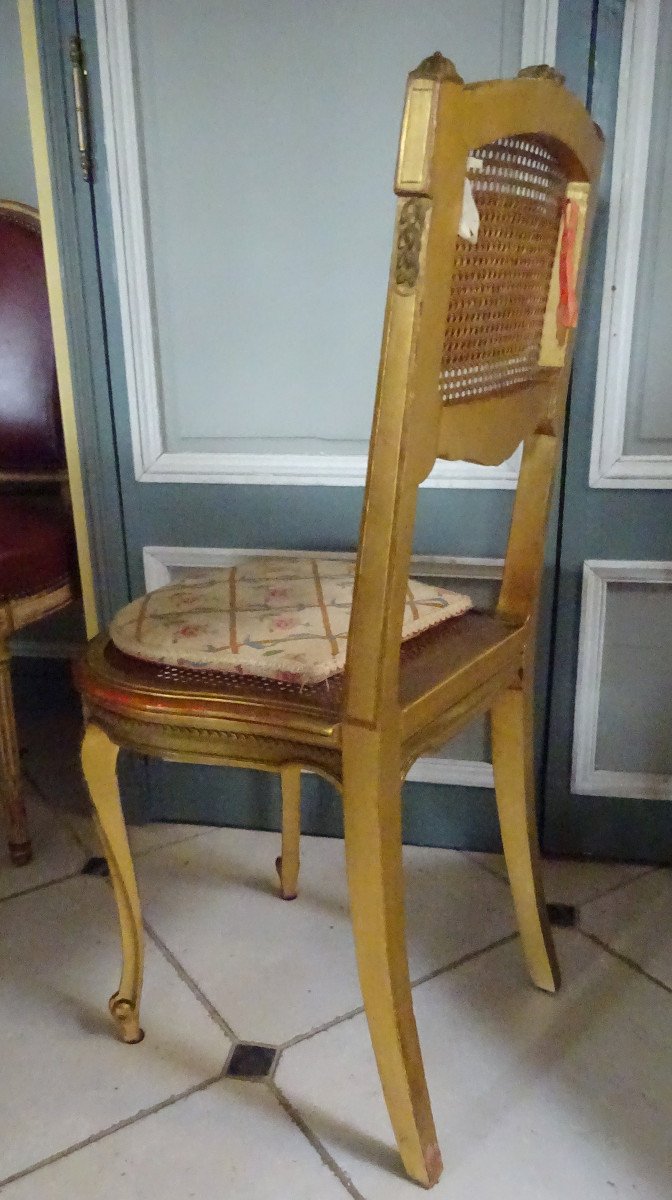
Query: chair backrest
[[31, 440], [496, 192]]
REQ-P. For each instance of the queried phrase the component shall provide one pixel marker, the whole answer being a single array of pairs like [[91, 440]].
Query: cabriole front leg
[[99, 764]]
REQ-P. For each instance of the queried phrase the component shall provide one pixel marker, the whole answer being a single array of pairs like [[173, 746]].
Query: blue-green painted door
[[608, 778]]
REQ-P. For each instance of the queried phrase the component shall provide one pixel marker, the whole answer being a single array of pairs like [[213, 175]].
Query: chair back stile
[[429, 187], [474, 359]]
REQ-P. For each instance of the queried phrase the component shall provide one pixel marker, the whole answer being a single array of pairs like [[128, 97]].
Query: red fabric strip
[[568, 309]]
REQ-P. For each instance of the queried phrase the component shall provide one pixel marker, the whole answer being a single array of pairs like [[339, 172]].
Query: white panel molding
[[460, 772], [160, 563], [610, 466], [153, 462], [333, 470], [120, 121], [587, 780]]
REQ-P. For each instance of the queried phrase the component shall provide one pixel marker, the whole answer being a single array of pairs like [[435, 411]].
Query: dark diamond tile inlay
[[250, 1061], [564, 916], [96, 866]]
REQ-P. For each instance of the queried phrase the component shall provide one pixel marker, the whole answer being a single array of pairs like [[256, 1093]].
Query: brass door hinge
[[79, 77]]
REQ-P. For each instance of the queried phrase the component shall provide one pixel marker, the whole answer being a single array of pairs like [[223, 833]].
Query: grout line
[[93, 846], [646, 869], [356, 1012], [625, 959], [466, 958], [179, 841], [622, 883], [304, 1037], [471, 857], [81, 841], [103, 1133], [186, 978], [328, 1159], [270, 1078], [38, 887]]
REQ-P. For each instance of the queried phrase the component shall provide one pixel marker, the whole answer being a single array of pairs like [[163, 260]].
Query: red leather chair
[[37, 561]]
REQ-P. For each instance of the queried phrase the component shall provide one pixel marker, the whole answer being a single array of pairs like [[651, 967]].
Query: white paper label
[[470, 220]]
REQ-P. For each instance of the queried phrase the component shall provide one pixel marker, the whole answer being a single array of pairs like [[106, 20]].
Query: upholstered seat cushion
[[282, 618], [36, 548]]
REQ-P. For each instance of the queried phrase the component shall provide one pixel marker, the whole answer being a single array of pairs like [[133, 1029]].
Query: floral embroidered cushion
[[282, 618]]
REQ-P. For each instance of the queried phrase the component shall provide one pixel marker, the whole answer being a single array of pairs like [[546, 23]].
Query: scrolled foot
[[126, 1017], [20, 853], [285, 895]]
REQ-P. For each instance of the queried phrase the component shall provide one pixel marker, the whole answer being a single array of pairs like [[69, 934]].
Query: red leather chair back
[[30, 428]]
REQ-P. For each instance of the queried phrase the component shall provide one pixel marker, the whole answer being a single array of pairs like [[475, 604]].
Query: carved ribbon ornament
[[409, 242]]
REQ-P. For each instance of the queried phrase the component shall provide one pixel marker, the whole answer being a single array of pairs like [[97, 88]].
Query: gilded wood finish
[[394, 702], [99, 763]]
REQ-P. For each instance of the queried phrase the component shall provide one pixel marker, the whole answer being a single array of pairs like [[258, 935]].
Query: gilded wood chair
[[37, 570], [476, 354]]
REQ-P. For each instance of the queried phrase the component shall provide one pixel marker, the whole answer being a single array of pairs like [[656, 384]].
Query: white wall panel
[[251, 150], [635, 710], [649, 420], [17, 177], [269, 135], [632, 430], [622, 744]]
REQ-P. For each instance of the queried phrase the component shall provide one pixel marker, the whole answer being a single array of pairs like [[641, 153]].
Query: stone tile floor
[[535, 1097]]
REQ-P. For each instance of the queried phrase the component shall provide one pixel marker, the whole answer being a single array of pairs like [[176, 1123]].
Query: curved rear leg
[[512, 758], [99, 763], [372, 809], [287, 865]]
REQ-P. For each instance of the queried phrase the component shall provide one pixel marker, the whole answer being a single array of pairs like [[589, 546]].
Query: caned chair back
[[495, 199], [31, 439]]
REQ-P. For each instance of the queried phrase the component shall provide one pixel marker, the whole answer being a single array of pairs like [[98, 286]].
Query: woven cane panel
[[500, 283]]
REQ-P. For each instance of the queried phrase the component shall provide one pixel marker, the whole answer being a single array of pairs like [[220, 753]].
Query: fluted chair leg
[[372, 810], [20, 849], [513, 762], [288, 864], [99, 763]]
